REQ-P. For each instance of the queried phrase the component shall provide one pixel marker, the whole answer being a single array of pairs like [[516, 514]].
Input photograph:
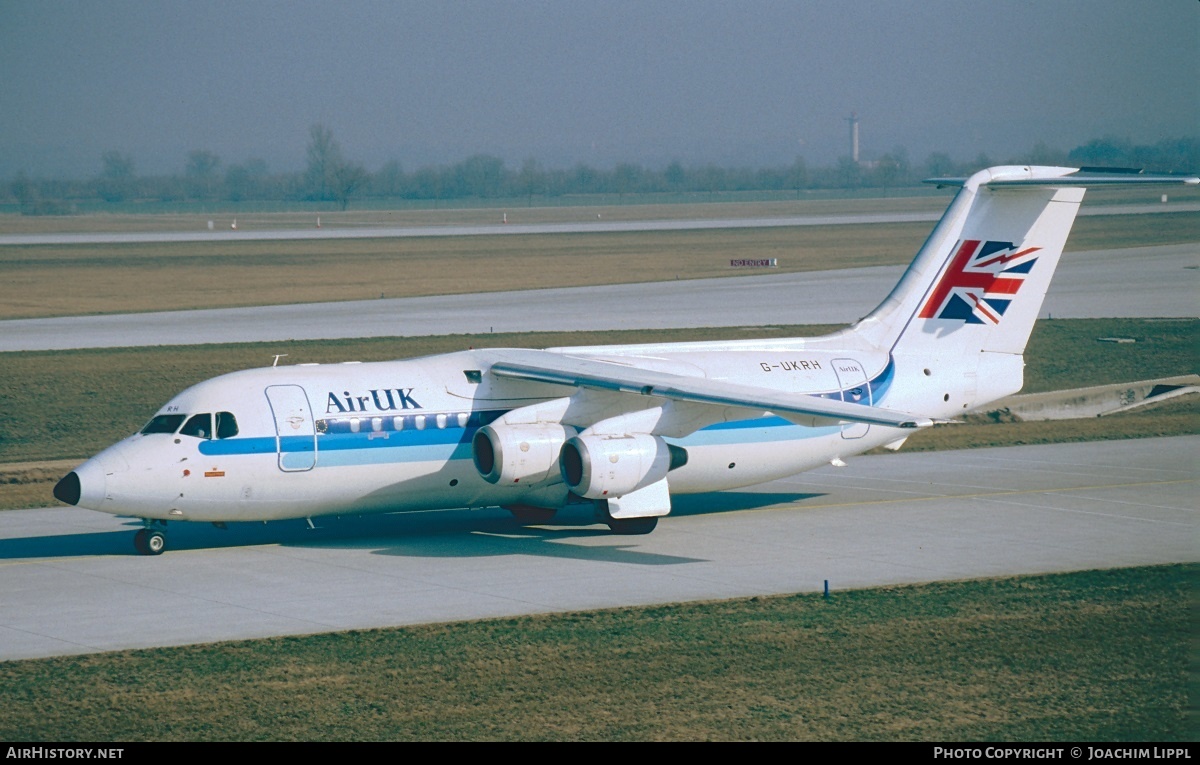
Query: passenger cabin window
[[398, 423], [164, 423]]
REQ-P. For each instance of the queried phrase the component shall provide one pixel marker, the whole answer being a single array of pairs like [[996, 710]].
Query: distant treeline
[[332, 179]]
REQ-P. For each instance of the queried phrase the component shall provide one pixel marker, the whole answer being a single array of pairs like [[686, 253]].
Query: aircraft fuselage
[[394, 436]]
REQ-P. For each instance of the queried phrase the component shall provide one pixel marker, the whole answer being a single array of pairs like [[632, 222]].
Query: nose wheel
[[150, 542]]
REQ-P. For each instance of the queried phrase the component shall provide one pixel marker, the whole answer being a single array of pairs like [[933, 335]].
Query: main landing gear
[[623, 526], [151, 540], [531, 514]]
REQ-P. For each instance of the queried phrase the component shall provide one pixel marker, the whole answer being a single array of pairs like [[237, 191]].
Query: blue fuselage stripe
[[432, 443], [356, 448]]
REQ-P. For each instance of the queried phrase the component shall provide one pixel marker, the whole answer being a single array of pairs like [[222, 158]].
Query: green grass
[[1066, 353], [1097, 656]]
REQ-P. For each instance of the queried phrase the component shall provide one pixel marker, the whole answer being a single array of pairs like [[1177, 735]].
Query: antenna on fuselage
[[278, 356]]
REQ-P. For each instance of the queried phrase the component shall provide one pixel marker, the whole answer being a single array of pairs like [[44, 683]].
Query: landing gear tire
[[632, 526], [531, 514], [149, 542]]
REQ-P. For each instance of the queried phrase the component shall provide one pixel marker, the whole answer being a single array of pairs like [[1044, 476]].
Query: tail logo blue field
[[981, 282]]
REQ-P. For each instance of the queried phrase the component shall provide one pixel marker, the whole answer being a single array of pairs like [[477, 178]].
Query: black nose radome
[[67, 489]]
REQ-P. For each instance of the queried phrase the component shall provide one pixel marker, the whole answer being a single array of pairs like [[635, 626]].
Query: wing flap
[[579, 372]]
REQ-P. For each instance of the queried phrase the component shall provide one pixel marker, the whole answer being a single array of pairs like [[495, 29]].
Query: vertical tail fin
[[986, 267], [965, 307]]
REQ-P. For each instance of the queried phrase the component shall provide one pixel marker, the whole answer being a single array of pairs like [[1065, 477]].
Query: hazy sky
[[751, 82]]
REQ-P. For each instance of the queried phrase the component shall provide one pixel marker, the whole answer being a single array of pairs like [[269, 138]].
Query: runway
[[1143, 281], [500, 229], [71, 584], [496, 229]]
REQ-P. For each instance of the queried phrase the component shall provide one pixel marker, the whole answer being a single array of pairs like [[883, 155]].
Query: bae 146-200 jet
[[622, 427]]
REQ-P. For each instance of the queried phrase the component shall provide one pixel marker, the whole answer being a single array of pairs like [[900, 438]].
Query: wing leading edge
[[575, 371]]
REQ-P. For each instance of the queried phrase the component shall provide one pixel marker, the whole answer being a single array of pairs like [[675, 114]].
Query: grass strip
[[1098, 656]]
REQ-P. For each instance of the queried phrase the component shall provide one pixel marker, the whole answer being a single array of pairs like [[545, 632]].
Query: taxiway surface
[[70, 582], [1141, 281]]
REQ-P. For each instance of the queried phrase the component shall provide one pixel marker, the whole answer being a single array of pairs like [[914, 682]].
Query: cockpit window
[[226, 425], [199, 426], [164, 423]]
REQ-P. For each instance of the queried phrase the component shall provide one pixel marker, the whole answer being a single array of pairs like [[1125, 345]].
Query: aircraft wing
[[579, 372]]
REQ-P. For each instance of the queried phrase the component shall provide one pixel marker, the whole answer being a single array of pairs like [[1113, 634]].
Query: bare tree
[[480, 175], [797, 175], [531, 179], [889, 170], [324, 161], [26, 193], [329, 175], [939, 165], [345, 179], [201, 173], [247, 180], [116, 179]]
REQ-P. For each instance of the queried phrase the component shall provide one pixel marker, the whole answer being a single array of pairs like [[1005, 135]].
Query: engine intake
[[598, 467], [524, 454]]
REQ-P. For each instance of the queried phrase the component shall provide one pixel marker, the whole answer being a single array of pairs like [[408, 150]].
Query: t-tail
[[961, 315]]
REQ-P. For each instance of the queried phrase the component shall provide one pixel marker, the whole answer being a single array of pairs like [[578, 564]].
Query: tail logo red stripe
[[980, 283]]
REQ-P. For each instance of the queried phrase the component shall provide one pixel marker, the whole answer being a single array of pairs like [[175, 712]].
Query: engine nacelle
[[599, 467], [521, 454]]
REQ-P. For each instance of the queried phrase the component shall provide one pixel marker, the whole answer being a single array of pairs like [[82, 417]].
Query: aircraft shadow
[[732, 501], [461, 533]]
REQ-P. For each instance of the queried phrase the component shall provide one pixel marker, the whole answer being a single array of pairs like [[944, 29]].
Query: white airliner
[[622, 426]]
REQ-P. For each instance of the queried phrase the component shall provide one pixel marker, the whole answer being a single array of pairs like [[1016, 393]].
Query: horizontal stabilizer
[[1080, 177]]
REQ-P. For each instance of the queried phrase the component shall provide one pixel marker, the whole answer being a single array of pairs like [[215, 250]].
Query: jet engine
[[599, 467], [524, 454]]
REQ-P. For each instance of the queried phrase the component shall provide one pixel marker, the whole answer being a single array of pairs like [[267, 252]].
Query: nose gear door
[[295, 430]]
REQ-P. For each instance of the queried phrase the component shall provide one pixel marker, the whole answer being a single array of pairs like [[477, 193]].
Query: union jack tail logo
[[981, 282]]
